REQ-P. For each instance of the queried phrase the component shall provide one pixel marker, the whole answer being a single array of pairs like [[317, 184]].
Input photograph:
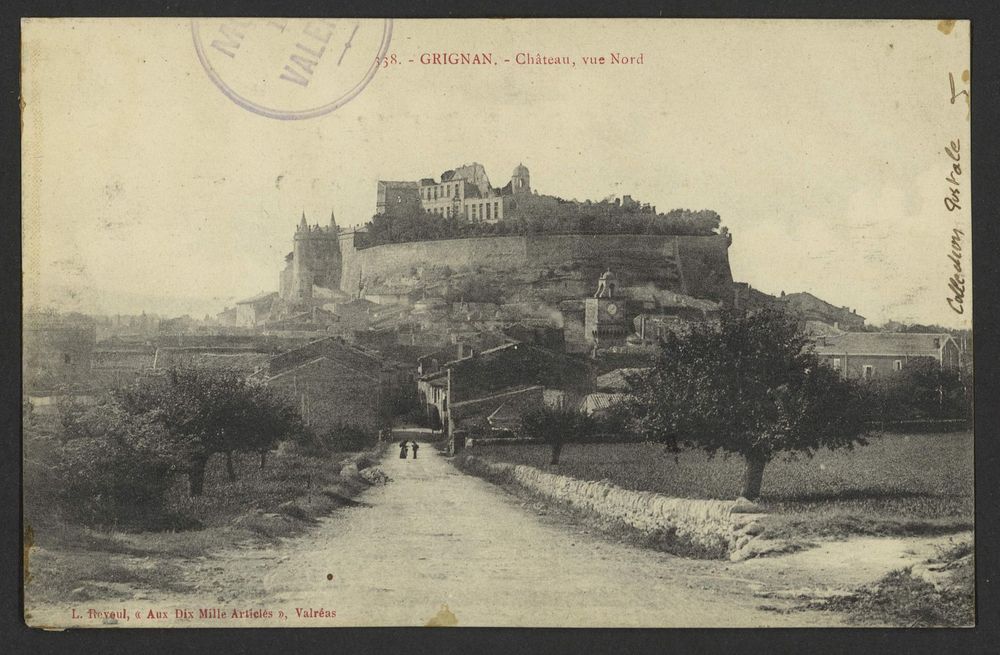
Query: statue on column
[[606, 285]]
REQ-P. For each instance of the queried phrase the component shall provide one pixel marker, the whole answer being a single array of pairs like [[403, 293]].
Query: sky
[[820, 143]]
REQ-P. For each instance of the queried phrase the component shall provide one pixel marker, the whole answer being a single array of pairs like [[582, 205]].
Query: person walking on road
[[415, 447], [403, 449]]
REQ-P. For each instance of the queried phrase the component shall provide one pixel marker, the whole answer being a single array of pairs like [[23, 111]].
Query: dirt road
[[435, 537]]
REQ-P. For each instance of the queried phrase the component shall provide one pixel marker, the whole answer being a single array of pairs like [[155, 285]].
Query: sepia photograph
[[571, 323]]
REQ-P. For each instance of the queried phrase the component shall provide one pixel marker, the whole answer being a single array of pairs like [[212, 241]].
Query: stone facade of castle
[[314, 261], [331, 266], [464, 192]]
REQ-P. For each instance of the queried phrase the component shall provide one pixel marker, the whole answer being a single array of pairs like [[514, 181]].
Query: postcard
[[344, 322]]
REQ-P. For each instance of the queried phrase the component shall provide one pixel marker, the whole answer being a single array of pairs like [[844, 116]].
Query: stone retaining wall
[[722, 528], [695, 265]]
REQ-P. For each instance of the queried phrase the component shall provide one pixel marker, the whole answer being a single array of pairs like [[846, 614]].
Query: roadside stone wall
[[724, 528]]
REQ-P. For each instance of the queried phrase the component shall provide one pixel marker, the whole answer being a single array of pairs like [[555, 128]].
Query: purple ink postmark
[[294, 68]]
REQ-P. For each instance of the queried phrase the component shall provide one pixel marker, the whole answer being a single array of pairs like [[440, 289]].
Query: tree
[[555, 427], [264, 420], [540, 214], [748, 385], [117, 466], [222, 410]]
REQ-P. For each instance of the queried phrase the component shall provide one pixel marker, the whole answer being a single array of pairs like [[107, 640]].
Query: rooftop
[[882, 343], [617, 380], [260, 297]]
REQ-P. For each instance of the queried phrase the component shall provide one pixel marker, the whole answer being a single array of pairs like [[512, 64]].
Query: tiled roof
[[332, 349], [882, 343], [507, 393], [616, 380], [805, 301], [260, 297], [597, 402]]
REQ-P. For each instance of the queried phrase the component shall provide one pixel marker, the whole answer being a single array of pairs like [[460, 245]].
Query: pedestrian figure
[[415, 447], [402, 449]]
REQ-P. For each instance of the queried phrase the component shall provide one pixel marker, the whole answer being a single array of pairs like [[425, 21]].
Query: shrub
[[902, 599], [292, 510], [922, 390], [120, 469], [348, 437]]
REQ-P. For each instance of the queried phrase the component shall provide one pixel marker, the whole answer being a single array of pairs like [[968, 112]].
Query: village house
[[333, 383], [870, 355], [254, 311], [811, 308], [538, 332], [465, 392]]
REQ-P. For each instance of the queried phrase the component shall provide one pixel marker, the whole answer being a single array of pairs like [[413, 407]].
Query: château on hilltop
[[460, 239], [461, 192]]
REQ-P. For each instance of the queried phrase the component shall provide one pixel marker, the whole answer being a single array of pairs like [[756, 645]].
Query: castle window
[[488, 213], [435, 193], [898, 365], [496, 209], [836, 363]]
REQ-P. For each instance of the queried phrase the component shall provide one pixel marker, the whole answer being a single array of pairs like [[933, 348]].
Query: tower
[[605, 320], [316, 259], [520, 180], [301, 274]]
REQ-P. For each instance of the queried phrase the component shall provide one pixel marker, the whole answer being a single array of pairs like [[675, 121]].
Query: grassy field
[[897, 484]]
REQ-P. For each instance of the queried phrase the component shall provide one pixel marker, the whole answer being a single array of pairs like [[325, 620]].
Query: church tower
[[520, 180]]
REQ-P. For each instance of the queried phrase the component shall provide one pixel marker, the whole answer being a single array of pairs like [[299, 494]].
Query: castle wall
[[694, 265]]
